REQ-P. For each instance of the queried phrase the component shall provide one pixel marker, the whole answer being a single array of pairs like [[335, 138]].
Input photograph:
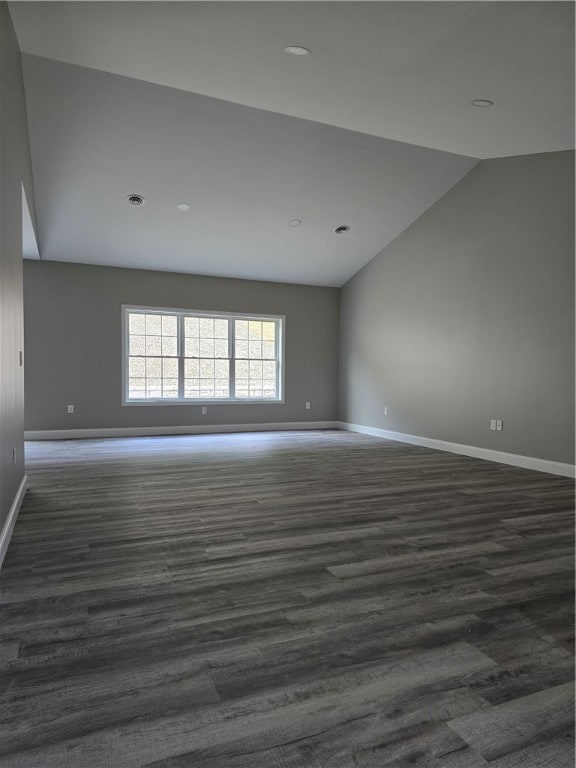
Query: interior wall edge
[[16, 173]]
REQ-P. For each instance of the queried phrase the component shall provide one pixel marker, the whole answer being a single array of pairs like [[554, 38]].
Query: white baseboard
[[208, 429], [527, 462], [6, 534], [515, 460]]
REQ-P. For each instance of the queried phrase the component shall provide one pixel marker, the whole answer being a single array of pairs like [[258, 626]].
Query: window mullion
[[232, 359], [180, 357]]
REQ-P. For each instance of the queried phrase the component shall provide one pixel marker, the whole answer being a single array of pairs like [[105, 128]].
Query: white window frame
[[280, 321]]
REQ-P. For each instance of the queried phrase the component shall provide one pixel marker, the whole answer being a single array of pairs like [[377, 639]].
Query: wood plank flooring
[[286, 600]]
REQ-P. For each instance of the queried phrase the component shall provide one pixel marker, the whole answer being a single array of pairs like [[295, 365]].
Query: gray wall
[[73, 345], [16, 170], [469, 316]]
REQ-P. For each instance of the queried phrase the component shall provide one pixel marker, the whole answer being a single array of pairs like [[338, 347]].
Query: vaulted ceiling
[[198, 102]]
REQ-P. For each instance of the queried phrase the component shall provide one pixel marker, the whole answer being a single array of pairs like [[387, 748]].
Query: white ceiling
[[97, 137], [403, 71], [198, 102]]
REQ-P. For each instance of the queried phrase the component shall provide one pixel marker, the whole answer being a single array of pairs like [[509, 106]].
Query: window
[[176, 356]]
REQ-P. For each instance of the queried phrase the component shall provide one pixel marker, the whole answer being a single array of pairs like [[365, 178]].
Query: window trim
[[280, 351]]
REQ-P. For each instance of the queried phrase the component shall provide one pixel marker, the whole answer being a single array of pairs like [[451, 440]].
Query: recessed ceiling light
[[482, 103], [295, 222], [342, 229], [135, 200], [297, 50], [184, 207]]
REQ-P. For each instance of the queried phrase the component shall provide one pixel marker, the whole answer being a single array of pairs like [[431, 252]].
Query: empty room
[[287, 384]]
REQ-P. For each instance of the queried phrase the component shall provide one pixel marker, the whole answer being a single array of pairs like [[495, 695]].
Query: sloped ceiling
[[246, 173], [400, 70], [198, 102]]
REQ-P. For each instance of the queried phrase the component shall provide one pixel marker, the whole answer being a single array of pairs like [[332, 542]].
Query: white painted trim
[[6, 534], [78, 434], [279, 320], [527, 462]]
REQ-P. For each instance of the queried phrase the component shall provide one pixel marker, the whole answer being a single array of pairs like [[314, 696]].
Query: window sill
[[203, 402]]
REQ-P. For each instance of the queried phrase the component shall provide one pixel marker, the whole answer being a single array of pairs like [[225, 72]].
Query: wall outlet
[[307, 406], [493, 424], [204, 410], [70, 409], [499, 425], [385, 410]]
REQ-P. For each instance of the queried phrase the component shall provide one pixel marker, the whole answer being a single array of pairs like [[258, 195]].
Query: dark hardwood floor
[[279, 600]]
